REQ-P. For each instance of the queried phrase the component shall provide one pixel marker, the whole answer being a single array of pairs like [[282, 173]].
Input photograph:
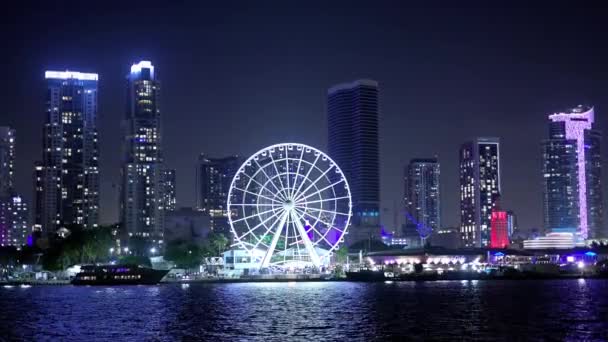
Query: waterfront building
[[213, 178], [422, 196], [571, 168], [142, 207], [555, 240], [352, 113], [67, 178], [479, 189]]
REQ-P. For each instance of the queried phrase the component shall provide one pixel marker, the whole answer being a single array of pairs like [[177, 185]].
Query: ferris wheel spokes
[[307, 243], [275, 239]]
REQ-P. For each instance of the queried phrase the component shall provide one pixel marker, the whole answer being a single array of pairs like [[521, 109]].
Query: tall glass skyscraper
[[67, 178], [572, 196], [142, 209], [479, 189], [422, 196], [7, 160], [352, 113], [213, 178], [14, 218]]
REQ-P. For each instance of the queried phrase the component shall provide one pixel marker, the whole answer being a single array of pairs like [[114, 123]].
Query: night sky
[[240, 77]]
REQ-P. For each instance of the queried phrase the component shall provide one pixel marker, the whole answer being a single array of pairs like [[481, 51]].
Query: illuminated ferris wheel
[[290, 204]]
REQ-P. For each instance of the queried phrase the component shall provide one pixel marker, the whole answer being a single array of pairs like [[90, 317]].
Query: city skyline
[[481, 106]]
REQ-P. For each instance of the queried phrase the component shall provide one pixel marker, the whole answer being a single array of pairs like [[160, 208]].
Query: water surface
[[441, 310]]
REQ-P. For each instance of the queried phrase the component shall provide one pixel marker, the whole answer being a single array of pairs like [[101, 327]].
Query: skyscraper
[[7, 160], [511, 223], [67, 178], [213, 178], [479, 189], [422, 196], [14, 218], [352, 113], [141, 197], [572, 194], [168, 189]]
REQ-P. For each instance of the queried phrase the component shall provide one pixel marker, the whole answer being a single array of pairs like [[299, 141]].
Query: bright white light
[[291, 201], [570, 259], [581, 264], [64, 75], [153, 250], [111, 250], [126, 249], [136, 68]]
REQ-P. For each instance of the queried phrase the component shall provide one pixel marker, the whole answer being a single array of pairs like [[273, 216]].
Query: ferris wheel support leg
[[309, 247], [275, 239]]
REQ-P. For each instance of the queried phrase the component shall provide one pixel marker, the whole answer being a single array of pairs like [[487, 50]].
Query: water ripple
[[443, 310]]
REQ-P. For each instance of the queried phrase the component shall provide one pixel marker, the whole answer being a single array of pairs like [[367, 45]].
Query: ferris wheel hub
[[288, 205]]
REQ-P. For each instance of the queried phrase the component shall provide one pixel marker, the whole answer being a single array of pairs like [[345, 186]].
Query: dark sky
[[239, 77]]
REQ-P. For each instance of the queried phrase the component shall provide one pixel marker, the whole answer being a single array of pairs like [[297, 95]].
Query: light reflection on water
[[483, 310]]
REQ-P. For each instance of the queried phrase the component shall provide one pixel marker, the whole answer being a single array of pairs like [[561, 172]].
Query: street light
[[126, 249], [153, 250], [111, 250]]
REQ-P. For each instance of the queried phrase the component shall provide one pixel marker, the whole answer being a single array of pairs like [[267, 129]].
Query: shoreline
[[321, 280]]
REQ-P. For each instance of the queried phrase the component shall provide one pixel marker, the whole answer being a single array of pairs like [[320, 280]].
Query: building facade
[[352, 112], [67, 178], [499, 235], [479, 189], [168, 190], [14, 221], [422, 196], [141, 199], [14, 215], [511, 223], [571, 169], [213, 178], [7, 160]]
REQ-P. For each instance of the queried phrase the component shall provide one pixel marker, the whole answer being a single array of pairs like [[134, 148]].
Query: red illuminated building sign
[[499, 237]]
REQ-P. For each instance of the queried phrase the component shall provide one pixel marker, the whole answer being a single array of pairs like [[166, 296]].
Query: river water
[[322, 311]]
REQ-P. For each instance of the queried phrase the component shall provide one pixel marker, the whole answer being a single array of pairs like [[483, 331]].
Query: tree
[[218, 241], [183, 254], [81, 246], [342, 254]]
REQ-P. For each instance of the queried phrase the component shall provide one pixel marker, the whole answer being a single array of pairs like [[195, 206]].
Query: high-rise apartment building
[[142, 207], [7, 160], [352, 112], [572, 196], [422, 196], [67, 177], [14, 221], [479, 189], [213, 178], [168, 189], [14, 216]]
